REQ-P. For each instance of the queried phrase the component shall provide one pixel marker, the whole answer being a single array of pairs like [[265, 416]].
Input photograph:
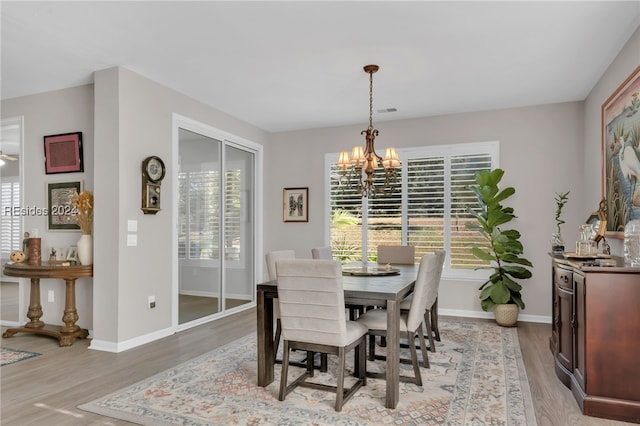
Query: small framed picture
[[295, 204], [63, 153], [61, 213], [72, 253]]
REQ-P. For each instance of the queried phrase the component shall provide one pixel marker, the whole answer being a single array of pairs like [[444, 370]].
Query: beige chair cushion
[[311, 301], [399, 255], [321, 253], [271, 259]]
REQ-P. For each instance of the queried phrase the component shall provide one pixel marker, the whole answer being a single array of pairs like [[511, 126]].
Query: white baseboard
[[489, 315], [106, 346]]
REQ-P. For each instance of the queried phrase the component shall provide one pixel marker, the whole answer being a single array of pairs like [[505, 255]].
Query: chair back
[[426, 287], [400, 255], [273, 256], [321, 253], [312, 301]]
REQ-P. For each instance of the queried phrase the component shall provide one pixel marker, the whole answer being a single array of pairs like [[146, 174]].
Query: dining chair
[[312, 313], [410, 321], [399, 255], [321, 253], [271, 259], [431, 312]]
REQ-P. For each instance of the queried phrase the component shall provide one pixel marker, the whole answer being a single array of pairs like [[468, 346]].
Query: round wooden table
[[67, 333]]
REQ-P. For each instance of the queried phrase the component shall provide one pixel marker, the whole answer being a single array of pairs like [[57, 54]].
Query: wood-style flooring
[[47, 389]]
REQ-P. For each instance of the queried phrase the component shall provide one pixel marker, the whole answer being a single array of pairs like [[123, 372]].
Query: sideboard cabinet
[[595, 336]]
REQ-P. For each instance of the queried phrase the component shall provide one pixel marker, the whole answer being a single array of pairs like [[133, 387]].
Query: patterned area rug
[[9, 356], [476, 377]]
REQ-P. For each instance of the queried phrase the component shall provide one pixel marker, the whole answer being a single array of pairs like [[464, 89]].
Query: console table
[[67, 333], [595, 337]]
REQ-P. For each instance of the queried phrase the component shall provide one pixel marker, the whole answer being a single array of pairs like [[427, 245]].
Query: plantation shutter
[[232, 214], [10, 223]]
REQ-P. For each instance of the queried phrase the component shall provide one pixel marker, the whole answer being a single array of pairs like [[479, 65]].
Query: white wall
[[619, 70], [61, 111], [539, 151], [134, 118]]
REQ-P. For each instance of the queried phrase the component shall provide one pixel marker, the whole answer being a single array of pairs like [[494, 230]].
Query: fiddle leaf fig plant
[[503, 248]]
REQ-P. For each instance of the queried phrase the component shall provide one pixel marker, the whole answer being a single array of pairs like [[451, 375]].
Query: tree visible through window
[[426, 209]]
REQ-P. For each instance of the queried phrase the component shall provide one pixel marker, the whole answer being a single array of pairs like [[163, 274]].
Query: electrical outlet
[[151, 302], [50, 296]]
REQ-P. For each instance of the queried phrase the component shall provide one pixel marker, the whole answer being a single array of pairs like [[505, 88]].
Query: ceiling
[[296, 65]]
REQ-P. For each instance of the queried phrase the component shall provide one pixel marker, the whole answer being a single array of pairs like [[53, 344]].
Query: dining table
[[364, 284]]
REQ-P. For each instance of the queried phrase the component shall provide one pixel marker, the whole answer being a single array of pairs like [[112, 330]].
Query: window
[[426, 209], [10, 223]]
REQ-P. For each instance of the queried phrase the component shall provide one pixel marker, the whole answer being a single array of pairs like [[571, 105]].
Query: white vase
[[85, 249]]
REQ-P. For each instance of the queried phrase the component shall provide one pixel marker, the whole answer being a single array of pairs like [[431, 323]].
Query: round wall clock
[[153, 168]]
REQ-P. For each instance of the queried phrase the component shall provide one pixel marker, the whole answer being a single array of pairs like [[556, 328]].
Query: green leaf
[[500, 293]]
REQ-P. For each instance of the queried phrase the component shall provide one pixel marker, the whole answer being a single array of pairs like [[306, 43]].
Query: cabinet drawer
[[563, 278]]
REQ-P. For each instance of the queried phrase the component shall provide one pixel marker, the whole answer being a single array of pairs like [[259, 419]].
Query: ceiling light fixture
[[359, 169]]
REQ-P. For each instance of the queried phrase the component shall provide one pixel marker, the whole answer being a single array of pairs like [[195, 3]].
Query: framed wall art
[[61, 213], [295, 204], [63, 153], [621, 155]]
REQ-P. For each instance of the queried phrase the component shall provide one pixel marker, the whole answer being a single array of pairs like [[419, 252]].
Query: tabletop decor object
[[500, 293], [83, 203], [557, 243]]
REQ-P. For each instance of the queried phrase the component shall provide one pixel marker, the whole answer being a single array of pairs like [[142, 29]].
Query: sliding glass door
[[215, 223]]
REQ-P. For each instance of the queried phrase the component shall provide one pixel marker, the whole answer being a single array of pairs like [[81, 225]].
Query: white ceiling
[[296, 65]]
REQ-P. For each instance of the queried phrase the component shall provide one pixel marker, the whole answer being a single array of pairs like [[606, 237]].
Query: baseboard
[[107, 346], [489, 315]]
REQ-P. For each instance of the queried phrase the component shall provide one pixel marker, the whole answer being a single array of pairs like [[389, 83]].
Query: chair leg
[[429, 330], [434, 319], [340, 384], [284, 372], [276, 340], [361, 353], [372, 347], [414, 357], [423, 348]]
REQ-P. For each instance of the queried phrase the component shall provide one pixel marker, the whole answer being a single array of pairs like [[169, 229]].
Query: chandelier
[[359, 169]]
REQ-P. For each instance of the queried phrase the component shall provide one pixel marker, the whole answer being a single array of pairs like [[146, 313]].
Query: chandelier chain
[[371, 99]]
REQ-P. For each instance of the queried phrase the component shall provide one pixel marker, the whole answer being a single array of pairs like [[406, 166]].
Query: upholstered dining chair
[[271, 259], [410, 321], [431, 312], [321, 253], [313, 319], [399, 255]]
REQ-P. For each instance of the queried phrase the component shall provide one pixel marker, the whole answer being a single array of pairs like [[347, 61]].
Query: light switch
[[132, 226], [132, 240]]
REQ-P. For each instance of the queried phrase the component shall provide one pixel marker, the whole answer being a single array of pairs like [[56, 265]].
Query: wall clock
[[153, 172]]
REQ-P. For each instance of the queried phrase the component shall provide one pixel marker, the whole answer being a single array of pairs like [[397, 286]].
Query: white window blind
[[199, 215], [10, 224], [426, 209]]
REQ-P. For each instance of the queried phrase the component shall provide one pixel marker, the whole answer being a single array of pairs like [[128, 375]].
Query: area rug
[[476, 377], [10, 356]]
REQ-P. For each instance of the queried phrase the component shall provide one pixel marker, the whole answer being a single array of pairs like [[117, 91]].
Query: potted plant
[[500, 293], [557, 243]]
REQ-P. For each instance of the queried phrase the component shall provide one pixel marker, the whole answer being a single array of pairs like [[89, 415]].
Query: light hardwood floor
[[47, 389]]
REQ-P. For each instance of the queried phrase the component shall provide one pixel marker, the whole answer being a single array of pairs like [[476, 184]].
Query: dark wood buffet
[[595, 337]]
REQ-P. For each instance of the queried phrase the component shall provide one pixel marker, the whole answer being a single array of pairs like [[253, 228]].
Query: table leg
[[266, 355], [70, 315], [35, 308], [393, 353]]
